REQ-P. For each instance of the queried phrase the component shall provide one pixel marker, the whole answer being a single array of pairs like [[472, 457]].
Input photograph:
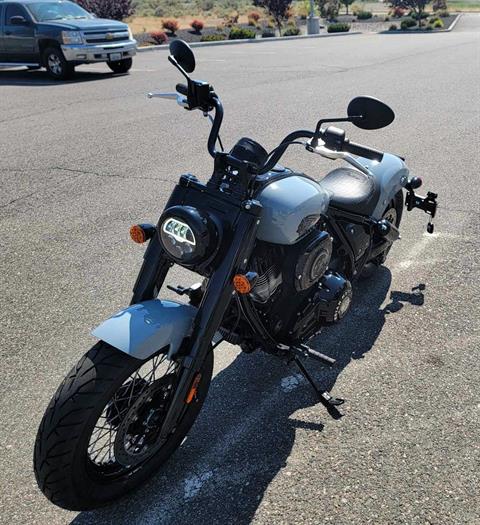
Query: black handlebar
[[182, 89], [217, 122]]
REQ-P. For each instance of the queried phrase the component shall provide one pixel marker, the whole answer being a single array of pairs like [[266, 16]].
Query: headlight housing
[[189, 236], [72, 37]]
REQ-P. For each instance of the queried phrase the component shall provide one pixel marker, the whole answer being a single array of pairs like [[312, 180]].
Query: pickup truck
[[59, 35]]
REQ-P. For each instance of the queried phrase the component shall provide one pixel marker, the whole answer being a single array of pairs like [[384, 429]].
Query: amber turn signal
[[193, 389], [140, 233], [242, 284]]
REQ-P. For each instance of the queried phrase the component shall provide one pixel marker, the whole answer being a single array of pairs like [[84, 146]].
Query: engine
[[295, 292]]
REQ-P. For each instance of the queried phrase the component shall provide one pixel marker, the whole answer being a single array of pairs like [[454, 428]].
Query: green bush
[[239, 33], [268, 33], [364, 15], [338, 28], [438, 24], [443, 14], [214, 37], [393, 27], [408, 23], [291, 31], [433, 19]]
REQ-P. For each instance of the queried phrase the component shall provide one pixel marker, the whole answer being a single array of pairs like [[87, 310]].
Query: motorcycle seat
[[351, 190]]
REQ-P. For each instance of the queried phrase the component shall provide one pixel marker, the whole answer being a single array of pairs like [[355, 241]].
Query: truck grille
[[105, 37]]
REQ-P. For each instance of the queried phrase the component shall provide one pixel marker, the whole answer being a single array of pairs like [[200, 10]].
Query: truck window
[[14, 10]]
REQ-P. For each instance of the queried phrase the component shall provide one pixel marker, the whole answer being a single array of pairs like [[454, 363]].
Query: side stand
[[328, 401]]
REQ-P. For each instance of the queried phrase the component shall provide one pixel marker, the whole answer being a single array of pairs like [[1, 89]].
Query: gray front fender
[[144, 328]]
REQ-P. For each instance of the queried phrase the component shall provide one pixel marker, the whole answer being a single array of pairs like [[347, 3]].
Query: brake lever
[[180, 99]]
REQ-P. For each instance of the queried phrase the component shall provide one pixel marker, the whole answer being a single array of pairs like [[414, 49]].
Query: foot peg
[[428, 204]]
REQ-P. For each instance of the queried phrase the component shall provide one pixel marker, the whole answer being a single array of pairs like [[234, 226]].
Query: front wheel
[[120, 66], [99, 437], [55, 63]]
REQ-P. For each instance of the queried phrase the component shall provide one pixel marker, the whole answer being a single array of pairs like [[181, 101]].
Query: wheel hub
[[137, 435]]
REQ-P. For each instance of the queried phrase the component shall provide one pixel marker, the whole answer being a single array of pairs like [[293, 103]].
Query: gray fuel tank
[[286, 203]]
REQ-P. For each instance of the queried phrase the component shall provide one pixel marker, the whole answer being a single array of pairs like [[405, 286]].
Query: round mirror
[[182, 53], [370, 113]]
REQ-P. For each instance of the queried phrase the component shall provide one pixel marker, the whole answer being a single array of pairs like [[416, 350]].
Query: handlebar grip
[[363, 151], [182, 89]]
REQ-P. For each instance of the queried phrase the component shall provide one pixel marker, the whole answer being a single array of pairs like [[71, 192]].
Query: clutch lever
[[180, 99]]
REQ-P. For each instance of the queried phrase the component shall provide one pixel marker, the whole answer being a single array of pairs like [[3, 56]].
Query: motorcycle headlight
[[188, 235], [72, 37]]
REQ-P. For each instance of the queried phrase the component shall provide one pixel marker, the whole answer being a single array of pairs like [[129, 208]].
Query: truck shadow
[[40, 78], [246, 431]]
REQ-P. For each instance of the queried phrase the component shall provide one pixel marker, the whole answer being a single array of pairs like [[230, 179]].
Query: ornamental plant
[[159, 37], [171, 25], [197, 25]]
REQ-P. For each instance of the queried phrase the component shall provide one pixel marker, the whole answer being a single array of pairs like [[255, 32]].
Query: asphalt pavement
[[81, 161]]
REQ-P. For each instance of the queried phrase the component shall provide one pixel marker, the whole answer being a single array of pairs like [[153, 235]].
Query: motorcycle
[[277, 252]]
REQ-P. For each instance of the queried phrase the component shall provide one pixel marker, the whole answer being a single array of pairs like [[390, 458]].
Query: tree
[[328, 8], [346, 3], [417, 6], [278, 9], [113, 9]]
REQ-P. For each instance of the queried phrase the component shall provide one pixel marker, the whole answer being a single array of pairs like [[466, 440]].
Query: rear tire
[[64, 468], [120, 66], [56, 65]]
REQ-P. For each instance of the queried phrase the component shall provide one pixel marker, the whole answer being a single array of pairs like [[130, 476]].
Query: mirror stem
[[172, 60]]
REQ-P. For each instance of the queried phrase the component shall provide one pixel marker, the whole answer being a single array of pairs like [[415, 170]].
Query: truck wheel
[[120, 66], [57, 67]]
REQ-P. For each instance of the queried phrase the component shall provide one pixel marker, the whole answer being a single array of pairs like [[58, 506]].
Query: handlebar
[[362, 151]]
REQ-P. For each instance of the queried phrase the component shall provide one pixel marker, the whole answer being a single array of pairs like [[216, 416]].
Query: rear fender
[[144, 328], [391, 175]]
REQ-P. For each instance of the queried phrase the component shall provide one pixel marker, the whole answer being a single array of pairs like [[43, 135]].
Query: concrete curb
[[249, 41], [423, 31]]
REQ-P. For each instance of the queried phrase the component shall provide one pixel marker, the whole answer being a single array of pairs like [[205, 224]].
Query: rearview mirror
[[18, 21], [182, 53], [369, 113]]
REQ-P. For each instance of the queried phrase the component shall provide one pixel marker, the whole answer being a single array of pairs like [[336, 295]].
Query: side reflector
[[193, 389], [242, 284]]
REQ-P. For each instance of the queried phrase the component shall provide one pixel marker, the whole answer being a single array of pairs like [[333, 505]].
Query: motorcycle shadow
[[246, 430]]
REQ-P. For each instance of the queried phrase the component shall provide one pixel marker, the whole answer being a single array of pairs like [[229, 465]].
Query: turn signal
[[140, 233], [243, 283], [193, 389]]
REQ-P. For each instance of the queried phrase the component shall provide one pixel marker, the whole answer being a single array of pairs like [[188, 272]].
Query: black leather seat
[[351, 190]]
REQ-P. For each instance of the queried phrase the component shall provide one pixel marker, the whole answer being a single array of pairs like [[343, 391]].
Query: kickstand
[[328, 401]]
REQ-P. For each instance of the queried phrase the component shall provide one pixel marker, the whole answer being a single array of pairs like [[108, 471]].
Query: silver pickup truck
[[59, 35]]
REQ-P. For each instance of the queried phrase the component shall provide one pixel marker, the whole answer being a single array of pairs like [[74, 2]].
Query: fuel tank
[[292, 203]]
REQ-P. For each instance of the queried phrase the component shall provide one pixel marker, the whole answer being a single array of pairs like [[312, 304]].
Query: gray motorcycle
[[277, 252]]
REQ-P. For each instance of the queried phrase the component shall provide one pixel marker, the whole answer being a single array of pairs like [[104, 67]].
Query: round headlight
[[187, 235]]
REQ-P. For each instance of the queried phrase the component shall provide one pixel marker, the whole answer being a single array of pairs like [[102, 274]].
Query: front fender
[[144, 328]]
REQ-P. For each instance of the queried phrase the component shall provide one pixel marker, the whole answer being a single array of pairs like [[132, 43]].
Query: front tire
[[99, 401], [56, 65], [120, 66]]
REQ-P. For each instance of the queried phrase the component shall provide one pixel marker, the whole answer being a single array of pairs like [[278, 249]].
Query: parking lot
[[83, 160]]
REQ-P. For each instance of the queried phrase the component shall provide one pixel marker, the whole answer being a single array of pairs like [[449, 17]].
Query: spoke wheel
[[99, 437]]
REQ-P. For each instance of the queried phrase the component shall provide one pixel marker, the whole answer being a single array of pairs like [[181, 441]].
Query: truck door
[[19, 34]]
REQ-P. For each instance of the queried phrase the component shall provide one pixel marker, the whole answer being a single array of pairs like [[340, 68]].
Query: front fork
[[237, 250]]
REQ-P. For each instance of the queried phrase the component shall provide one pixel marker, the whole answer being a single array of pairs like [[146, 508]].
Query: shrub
[[408, 23], [429, 28], [443, 14], [214, 37], [439, 5], [171, 25], [393, 27], [159, 37], [438, 24], [239, 33], [356, 9], [433, 19], [268, 33], [387, 18], [254, 16], [416, 17], [232, 19], [398, 12], [338, 28], [113, 9], [291, 31], [205, 5], [197, 25], [329, 8], [364, 15]]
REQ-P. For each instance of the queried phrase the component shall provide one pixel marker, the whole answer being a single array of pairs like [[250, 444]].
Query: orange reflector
[[242, 284], [193, 389], [137, 234]]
